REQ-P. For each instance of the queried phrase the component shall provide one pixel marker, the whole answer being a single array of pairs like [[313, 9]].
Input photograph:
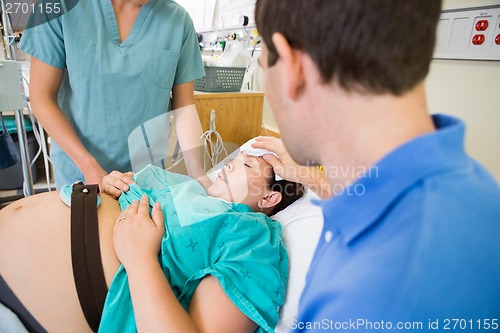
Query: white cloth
[[258, 152]]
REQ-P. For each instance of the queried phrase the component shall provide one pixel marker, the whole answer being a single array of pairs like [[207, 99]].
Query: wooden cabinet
[[238, 115]]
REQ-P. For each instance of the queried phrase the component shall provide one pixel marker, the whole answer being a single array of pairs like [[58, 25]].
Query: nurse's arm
[[189, 131], [44, 87]]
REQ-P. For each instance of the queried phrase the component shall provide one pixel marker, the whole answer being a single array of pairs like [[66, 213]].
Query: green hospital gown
[[204, 236]]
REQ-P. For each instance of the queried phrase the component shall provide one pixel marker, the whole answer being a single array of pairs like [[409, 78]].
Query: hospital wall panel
[[470, 90]]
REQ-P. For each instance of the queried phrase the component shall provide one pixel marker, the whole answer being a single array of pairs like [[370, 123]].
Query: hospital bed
[[302, 223]]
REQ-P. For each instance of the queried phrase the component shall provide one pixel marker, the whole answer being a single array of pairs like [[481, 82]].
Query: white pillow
[[302, 223]]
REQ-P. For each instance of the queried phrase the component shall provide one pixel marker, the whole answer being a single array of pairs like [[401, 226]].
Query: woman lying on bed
[[225, 263]]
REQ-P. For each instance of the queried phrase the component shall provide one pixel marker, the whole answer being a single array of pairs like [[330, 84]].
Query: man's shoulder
[[463, 193]]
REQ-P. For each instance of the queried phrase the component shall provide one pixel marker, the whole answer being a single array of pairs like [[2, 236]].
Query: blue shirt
[[204, 236], [116, 94], [415, 240]]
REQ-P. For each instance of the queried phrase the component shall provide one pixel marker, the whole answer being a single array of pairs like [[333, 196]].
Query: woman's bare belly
[[35, 257]]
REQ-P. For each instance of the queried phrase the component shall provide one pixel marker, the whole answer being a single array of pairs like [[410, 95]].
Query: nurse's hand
[[136, 236], [116, 182], [95, 176]]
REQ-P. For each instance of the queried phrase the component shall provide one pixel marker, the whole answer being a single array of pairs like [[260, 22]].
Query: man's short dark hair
[[372, 46]]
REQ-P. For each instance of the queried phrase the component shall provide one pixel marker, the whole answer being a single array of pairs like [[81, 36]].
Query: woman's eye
[[248, 166]]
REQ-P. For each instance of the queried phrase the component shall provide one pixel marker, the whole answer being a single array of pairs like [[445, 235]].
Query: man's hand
[[288, 169], [285, 166]]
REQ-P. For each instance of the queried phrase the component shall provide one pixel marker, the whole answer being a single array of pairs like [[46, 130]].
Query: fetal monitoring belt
[[86, 254]]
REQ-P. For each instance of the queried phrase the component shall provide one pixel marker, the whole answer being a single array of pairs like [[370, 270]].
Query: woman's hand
[[137, 237], [116, 182]]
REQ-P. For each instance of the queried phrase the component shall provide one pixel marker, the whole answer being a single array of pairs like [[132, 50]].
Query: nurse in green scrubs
[[101, 79]]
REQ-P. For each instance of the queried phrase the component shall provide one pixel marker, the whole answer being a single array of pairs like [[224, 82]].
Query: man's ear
[[294, 68], [271, 199]]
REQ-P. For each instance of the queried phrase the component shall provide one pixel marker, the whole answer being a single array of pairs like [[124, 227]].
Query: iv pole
[[21, 130]]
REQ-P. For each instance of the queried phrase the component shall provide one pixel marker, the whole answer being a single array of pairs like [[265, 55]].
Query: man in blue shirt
[[410, 240]]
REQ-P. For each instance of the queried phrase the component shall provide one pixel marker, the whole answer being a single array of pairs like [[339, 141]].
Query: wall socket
[[469, 33]]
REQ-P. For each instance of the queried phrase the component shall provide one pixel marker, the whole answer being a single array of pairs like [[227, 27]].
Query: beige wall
[[467, 89]]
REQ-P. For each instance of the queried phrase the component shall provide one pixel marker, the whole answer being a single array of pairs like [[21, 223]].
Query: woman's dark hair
[[370, 46], [290, 192]]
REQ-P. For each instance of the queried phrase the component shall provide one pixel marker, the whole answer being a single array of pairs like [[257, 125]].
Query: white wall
[[466, 89]]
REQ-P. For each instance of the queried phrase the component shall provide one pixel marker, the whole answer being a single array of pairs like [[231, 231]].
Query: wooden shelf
[[238, 115]]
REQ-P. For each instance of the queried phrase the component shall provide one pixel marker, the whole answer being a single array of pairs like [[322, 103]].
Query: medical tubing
[[39, 134], [216, 148]]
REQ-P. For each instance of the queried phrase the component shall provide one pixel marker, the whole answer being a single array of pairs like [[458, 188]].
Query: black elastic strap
[[86, 253]]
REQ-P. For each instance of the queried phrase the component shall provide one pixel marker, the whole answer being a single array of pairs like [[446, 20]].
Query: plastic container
[[221, 79], [12, 177]]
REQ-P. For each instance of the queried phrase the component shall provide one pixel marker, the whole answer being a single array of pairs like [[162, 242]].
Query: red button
[[482, 25], [497, 39], [478, 39]]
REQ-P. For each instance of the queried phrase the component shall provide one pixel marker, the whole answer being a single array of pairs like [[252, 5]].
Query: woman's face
[[242, 180]]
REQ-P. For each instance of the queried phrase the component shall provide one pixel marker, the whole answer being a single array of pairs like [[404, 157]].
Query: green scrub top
[[243, 249], [116, 94]]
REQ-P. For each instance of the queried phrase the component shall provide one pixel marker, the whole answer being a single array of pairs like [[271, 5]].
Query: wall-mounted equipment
[[469, 33]]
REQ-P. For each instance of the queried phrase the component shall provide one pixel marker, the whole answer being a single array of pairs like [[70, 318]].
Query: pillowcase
[[302, 223]]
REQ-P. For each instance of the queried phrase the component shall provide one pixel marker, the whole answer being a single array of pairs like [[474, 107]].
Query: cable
[[39, 135], [211, 148], [177, 161]]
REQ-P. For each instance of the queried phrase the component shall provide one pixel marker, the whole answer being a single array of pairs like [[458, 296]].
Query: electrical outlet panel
[[469, 33]]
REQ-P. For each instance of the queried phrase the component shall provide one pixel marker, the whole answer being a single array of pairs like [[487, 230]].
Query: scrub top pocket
[[163, 66]]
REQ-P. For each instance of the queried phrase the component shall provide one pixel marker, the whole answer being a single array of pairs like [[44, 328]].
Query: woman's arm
[[286, 167], [137, 240], [44, 87], [189, 131]]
